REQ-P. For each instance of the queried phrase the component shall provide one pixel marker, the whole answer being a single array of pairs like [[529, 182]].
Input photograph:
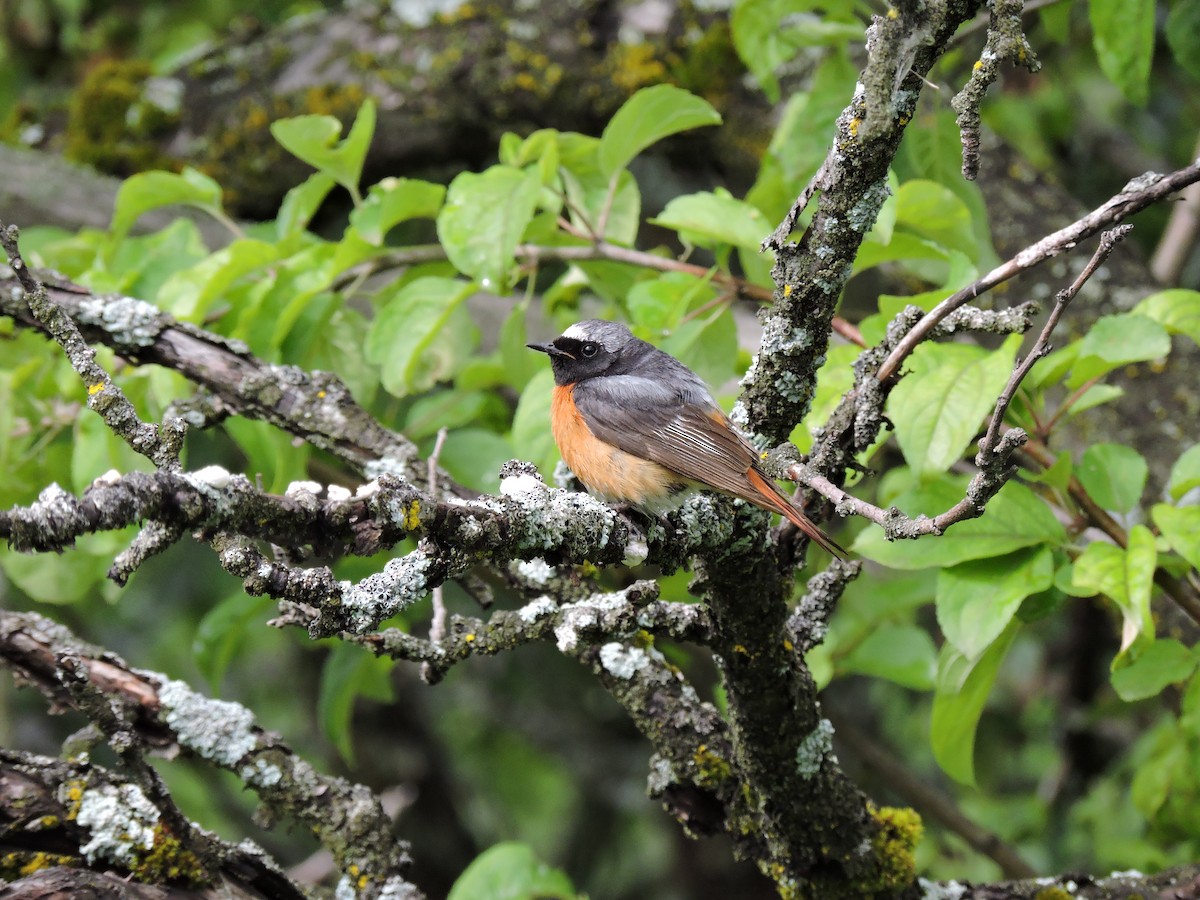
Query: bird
[[638, 427]]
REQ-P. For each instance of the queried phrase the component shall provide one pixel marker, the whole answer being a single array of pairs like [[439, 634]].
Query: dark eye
[[589, 349]]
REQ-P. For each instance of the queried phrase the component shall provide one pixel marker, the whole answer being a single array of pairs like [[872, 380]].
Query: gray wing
[[672, 421]]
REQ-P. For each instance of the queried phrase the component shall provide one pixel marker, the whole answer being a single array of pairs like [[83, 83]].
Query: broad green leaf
[[1096, 395], [520, 364], [901, 653], [473, 456], [1115, 341], [1114, 475], [190, 294], [145, 191], [395, 200], [511, 871], [940, 404], [1123, 35], [349, 673], [588, 191], [657, 304], [1162, 662], [707, 345], [1177, 310], [1014, 518], [1057, 476], [221, 631], [531, 424], [1182, 32], [963, 686], [442, 409], [1185, 474], [314, 139], [483, 219], [407, 324], [936, 212], [647, 117], [707, 218], [768, 33], [976, 600], [1125, 576], [1180, 525], [301, 203]]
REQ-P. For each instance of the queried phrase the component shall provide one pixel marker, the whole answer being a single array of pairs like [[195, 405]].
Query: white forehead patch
[[577, 332]]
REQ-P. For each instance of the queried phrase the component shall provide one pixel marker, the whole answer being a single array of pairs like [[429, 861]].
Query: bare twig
[[1179, 236], [1137, 195], [1108, 241]]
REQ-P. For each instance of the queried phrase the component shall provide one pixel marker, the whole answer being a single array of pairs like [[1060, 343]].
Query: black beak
[[549, 349]]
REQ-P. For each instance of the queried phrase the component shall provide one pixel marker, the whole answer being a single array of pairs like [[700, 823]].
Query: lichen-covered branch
[[347, 818], [161, 445], [1006, 42], [57, 817], [314, 406], [1137, 195]]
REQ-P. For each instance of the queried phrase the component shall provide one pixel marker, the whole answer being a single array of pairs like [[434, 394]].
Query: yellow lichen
[[114, 124], [412, 516]]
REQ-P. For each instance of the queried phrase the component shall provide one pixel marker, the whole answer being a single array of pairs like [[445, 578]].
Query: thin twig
[[1108, 241], [1137, 195]]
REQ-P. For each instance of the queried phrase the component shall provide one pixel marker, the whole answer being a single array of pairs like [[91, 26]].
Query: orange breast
[[608, 471]]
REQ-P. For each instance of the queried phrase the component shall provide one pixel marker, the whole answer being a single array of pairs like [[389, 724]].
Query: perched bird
[[638, 426]]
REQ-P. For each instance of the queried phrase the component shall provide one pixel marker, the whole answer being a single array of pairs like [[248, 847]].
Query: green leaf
[[1183, 34], [1125, 576], [1115, 341], [473, 456], [314, 139], [395, 200], [935, 211], [301, 203], [901, 653], [1057, 476], [963, 686], [531, 424], [1015, 518], [1096, 395], [511, 871], [1181, 527], [1160, 663], [145, 191], [940, 403], [589, 191], [707, 218], [483, 219], [647, 117], [1114, 475], [406, 325], [768, 33], [1123, 35], [976, 600], [656, 305], [708, 346], [349, 673], [1185, 474], [1177, 310], [221, 632], [191, 293]]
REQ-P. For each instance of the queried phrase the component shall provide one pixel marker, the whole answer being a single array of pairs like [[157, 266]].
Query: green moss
[[114, 122], [900, 831], [1054, 892], [711, 768], [23, 863], [168, 860]]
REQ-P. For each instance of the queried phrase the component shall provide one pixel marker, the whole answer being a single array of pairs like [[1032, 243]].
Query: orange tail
[[764, 493]]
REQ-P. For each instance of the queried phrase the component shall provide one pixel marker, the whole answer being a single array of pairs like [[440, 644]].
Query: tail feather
[[767, 495]]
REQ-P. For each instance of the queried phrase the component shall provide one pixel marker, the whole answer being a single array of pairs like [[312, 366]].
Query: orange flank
[[608, 472]]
